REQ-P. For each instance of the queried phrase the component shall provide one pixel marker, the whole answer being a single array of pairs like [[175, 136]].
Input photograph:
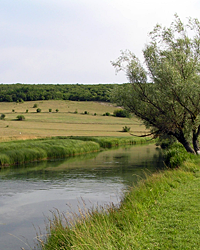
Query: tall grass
[[109, 142], [155, 214], [20, 152]]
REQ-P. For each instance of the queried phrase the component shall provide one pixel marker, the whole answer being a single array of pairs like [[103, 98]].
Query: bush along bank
[[160, 212], [19, 152]]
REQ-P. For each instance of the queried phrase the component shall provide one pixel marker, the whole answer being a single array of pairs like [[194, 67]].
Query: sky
[[74, 41]]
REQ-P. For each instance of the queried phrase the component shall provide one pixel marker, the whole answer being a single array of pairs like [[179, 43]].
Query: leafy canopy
[[165, 91]]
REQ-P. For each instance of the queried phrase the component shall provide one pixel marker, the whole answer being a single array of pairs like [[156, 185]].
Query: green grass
[[161, 212]]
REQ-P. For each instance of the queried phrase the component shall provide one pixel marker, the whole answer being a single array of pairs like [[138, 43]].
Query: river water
[[29, 193]]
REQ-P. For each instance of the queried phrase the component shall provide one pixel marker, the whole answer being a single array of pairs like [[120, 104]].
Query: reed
[[109, 142], [19, 152]]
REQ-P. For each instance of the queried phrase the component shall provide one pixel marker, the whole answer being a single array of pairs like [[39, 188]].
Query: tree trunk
[[195, 142], [181, 138]]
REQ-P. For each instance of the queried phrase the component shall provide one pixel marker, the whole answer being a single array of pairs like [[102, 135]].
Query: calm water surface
[[30, 193]]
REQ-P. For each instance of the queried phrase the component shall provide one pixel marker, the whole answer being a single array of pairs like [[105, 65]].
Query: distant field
[[65, 122]]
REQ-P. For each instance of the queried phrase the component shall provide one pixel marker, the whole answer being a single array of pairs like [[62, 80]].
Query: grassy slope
[[161, 212], [65, 122]]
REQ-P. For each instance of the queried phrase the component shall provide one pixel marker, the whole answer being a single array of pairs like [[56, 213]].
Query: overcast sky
[[73, 41]]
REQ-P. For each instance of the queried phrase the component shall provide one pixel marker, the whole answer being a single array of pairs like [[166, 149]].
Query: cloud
[[75, 40]]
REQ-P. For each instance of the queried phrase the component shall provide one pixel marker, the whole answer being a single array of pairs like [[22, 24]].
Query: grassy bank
[[19, 152], [161, 212]]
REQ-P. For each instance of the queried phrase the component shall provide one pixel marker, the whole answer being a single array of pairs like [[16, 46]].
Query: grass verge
[[161, 212]]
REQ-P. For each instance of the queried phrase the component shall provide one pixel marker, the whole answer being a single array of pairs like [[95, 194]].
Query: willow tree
[[165, 92]]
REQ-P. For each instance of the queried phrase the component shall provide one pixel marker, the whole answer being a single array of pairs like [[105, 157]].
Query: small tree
[[57, 110], [38, 110], [35, 105], [50, 110], [27, 111], [126, 129]]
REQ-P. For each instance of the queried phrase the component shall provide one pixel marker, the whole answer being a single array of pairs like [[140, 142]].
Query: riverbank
[[24, 151], [161, 212]]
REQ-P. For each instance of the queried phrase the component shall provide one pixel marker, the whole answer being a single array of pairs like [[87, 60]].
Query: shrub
[[38, 110], [13, 110], [86, 112], [95, 114], [27, 111], [76, 111], [57, 110], [35, 105], [121, 113], [106, 114], [20, 118], [126, 129], [2, 116], [50, 110]]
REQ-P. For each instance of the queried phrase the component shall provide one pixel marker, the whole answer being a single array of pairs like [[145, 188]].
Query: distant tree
[[2, 116], [170, 103]]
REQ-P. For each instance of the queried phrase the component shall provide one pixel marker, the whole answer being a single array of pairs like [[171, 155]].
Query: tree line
[[74, 92]]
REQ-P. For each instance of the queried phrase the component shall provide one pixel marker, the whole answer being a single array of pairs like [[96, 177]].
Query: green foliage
[[35, 105], [27, 111], [2, 117], [126, 129], [169, 104], [121, 113], [74, 92], [106, 114], [176, 155], [86, 112], [95, 114], [57, 110], [38, 110], [50, 110], [20, 118], [76, 111], [13, 110]]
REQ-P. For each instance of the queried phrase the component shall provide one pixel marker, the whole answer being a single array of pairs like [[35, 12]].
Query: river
[[29, 193]]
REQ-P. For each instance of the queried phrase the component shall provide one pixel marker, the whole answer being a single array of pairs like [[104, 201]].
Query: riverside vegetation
[[20, 152], [161, 212]]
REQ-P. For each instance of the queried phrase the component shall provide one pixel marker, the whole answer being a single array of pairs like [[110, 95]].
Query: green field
[[65, 122]]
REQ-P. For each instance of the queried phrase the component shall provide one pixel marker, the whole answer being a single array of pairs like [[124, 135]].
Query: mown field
[[65, 122]]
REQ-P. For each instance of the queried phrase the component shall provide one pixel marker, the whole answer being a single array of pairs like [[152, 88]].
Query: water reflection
[[30, 191]]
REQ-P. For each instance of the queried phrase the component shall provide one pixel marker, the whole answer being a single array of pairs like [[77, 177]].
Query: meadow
[[69, 120]]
